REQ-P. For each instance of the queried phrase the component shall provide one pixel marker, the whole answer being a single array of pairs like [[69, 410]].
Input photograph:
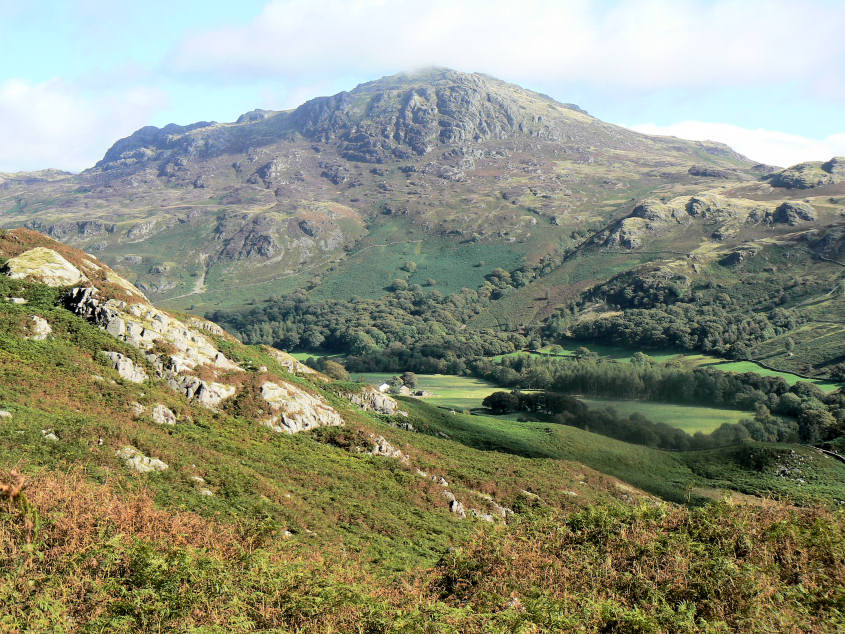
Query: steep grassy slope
[[332, 529]]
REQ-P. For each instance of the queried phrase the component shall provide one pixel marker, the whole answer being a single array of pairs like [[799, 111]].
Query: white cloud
[[638, 44], [54, 124], [766, 146]]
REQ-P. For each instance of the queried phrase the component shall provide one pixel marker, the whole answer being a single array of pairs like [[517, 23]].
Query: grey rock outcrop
[[39, 328], [294, 409], [811, 174], [126, 368], [163, 415], [206, 393], [791, 213], [652, 217], [137, 461], [371, 400], [45, 266], [381, 447]]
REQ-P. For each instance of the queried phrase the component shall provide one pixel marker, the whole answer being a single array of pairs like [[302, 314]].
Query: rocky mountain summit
[[285, 199]]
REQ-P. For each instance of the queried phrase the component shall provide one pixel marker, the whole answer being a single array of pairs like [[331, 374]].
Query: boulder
[[39, 328], [163, 415], [5, 414], [125, 367], [296, 410], [206, 393], [44, 265], [137, 461], [372, 400]]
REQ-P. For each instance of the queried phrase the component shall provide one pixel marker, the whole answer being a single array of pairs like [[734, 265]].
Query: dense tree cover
[[658, 309], [638, 429], [407, 330], [819, 416]]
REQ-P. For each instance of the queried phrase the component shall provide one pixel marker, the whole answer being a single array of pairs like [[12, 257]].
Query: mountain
[[157, 474], [198, 214], [436, 180]]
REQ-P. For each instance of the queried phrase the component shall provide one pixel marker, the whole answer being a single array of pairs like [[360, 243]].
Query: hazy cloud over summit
[[765, 76]]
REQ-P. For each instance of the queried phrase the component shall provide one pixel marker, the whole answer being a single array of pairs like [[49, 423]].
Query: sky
[[767, 77]]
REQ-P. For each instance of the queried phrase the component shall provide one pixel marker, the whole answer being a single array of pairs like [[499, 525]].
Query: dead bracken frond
[[12, 489]]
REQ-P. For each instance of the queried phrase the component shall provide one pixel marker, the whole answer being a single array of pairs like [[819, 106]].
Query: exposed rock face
[[125, 367], [454, 505], [737, 256], [43, 265], [39, 328], [206, 393], [370, 399], [296, 410], [137, 461], [180, 351], [381, 447], [142, 325], [163, 415], [791, 213]]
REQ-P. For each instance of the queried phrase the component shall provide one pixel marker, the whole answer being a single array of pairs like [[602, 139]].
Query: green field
[[690, 418], [792, 379], [455, 392]]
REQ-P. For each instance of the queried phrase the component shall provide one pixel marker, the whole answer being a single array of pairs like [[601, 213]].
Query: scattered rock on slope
[[163, 415], [39, 328], [125, 367], [137, 461]]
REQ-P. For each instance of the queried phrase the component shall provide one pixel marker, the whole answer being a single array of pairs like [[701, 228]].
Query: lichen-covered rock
[[381, 447], [163, 415], [39, 328], [126, 368], [137, 461], [296, 410], [206, 393], [44, 265], [371, 400]]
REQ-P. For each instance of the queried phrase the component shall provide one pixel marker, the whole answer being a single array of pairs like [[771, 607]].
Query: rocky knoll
[[725, 217], [811, 174], [180, 352]]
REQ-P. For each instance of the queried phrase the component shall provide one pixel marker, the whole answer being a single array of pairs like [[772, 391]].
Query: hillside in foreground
[[159, 475]]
